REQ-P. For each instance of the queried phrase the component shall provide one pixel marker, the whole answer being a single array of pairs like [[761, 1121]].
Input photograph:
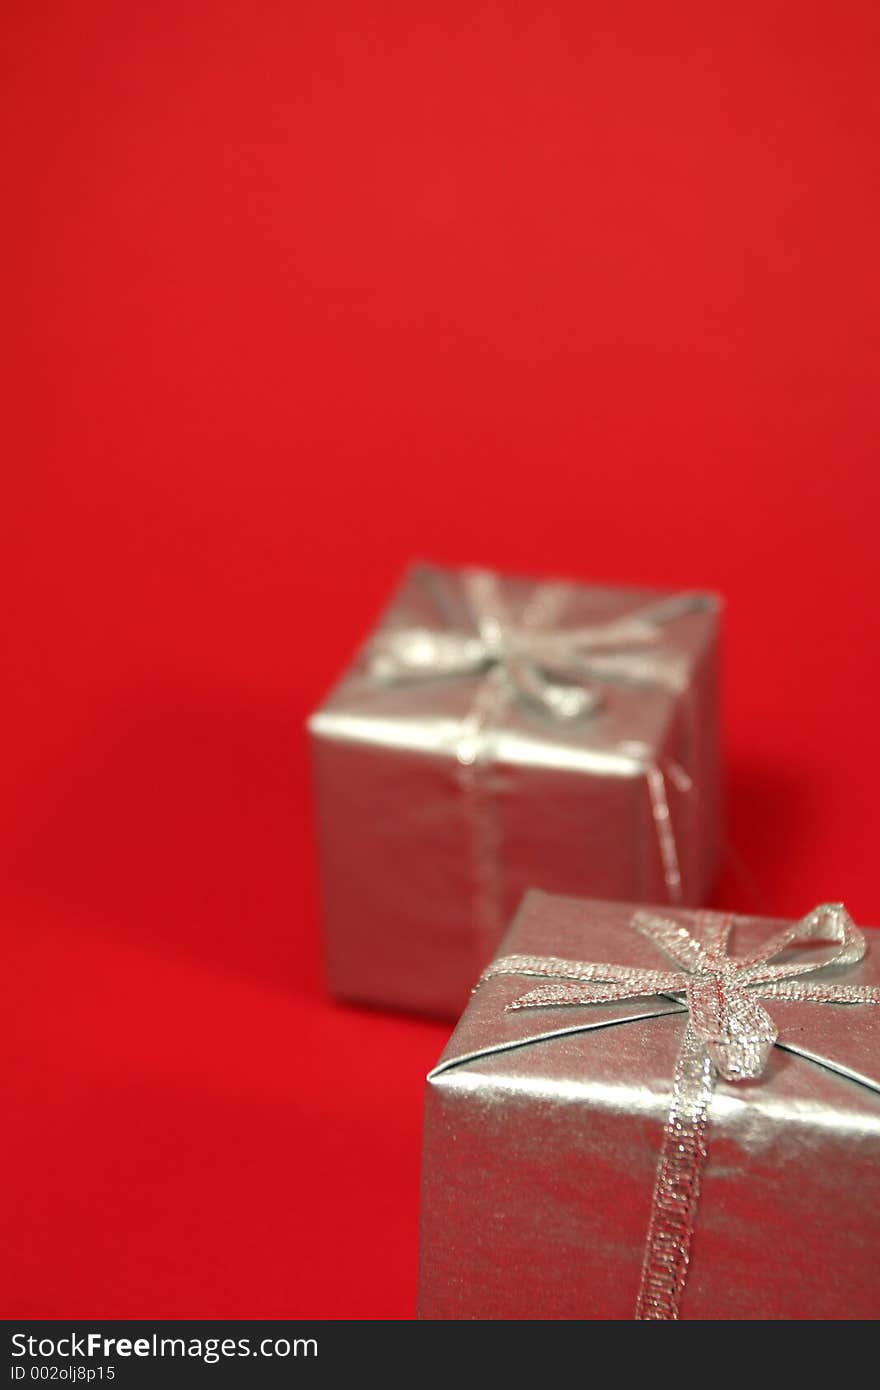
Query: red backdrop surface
[[294, 293]]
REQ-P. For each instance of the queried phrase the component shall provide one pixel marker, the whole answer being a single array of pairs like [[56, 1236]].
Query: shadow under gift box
[[540, 1152], [441, 797]]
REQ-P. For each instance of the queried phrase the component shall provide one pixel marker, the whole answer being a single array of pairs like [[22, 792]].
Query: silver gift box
[[543, 1127], [496, 734]]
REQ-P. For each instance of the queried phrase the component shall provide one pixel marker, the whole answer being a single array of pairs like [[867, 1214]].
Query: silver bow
[[549, 668], [727, 1031]]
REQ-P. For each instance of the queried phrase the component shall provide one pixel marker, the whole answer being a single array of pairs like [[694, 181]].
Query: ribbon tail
[[568, 993], [666, 610], [419, 654], [665, 831], [796, 992], [635, 977], [677, 1184]]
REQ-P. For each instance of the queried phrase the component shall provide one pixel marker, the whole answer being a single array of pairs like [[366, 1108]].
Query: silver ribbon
[[554, 670], [727, 1031]]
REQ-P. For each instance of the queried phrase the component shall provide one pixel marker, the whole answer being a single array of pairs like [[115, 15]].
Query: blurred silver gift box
[[496, 734]]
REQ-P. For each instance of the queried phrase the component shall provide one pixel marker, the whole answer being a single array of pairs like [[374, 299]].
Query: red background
[[295, 292]]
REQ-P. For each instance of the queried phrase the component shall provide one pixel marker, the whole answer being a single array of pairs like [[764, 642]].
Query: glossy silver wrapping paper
[[540, 1151], [424, 860]]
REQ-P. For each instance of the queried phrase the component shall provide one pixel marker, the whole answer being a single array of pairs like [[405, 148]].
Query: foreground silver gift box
[[496, 734], [709, 1152]]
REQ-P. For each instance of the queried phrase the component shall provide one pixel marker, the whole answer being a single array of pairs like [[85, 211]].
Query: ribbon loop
[[828, 926], [676, 941]]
